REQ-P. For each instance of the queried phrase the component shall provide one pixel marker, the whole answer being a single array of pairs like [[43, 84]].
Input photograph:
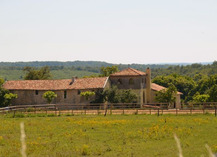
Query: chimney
[[148, 85], [73, 79]]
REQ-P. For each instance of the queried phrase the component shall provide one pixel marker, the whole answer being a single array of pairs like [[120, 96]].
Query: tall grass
[[116, 135], [178, 145], [22, 140]]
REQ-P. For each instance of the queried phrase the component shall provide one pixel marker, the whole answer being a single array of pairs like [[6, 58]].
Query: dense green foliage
[[110, 136], [167, 95], [9, 97], [1, 81], [87, 94], [49, 96], [32, 74], [201, 87], [3, 101], [128, 96], [114, 95], [200, 97], [107, 71], [5, 96], [188, 70], [182, 83]]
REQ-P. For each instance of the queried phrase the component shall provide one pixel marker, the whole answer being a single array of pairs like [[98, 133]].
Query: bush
[[49, 96]]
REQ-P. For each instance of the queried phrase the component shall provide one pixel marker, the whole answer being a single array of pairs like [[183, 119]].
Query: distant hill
[[75, 64], [55, 63], [87, 64], [60, 70]]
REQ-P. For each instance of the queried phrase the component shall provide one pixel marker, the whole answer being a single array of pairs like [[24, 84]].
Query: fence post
[[110, 109], [123, 108], [158, 110], [176, 111], [105, 107], [55, 109], [215, 111]]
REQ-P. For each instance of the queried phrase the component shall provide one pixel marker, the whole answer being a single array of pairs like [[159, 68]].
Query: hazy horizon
[[124, 31], [175, 63]]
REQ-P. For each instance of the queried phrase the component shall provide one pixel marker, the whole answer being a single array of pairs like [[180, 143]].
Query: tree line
[[197, 82], [200, 88], [58, 68]]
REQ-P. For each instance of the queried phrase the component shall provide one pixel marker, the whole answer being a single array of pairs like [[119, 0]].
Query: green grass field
[[56, 74], [113, 135]]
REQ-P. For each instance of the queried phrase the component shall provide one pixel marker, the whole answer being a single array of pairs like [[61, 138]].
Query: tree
[[6, 97], [49, 96], [1, 81], [213, 93], [128, 96], [183, 84], [200, 97], [87, 94], [106, 71], [112, 95], [167, 95], [44, 73], [32, 74], [9, 97], [3, 102], [99, 97]]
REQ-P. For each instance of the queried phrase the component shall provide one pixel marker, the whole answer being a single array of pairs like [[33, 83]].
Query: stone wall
[[126, 82], [33, 97]]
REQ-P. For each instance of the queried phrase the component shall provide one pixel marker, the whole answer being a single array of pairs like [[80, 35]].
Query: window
[[119, 81], [65, 94], [79, 92], [131, 81], [36, 92]]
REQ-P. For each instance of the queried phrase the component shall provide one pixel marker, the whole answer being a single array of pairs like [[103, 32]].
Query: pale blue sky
[[116, 31]]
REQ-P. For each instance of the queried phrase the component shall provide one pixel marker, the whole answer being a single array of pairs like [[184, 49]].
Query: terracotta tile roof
[[89, 83], [81, 83], [157, 87], [129, 72]]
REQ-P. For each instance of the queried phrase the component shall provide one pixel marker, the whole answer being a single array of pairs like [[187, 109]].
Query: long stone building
[[68, 90]]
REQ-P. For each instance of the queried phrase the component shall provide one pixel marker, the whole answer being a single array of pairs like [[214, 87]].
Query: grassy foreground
[[113, 135]]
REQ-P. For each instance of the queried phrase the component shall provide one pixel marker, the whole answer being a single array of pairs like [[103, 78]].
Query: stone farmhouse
[[68, 90]]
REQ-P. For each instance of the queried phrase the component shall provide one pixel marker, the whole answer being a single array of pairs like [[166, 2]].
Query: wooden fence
[[112, 108]]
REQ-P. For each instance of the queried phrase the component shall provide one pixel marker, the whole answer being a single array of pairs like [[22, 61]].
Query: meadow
[[56, 74], [113, 135]]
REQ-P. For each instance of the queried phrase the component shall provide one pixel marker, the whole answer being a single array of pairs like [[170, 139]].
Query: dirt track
[[124, 111]]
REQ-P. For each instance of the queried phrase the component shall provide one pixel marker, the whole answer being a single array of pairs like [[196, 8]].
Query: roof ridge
[[37, 80], [136, 71]]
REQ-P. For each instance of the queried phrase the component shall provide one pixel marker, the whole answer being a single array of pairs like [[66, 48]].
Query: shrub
[[49, 96]]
